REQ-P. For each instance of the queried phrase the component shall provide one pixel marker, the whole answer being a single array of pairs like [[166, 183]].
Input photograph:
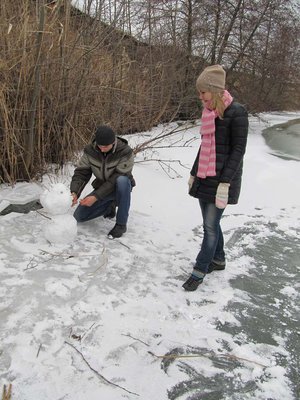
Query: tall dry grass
[[62, 73]]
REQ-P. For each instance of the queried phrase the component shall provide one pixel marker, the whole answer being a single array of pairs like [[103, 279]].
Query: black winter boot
[[216, 265], [117, 231], [194, 280], [192, 284]]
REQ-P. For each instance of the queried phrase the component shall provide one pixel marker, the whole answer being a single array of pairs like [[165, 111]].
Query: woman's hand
[[190, 182], [222, 195]]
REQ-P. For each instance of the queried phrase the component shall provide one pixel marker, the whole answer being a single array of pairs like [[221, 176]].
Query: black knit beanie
[[105, 135]]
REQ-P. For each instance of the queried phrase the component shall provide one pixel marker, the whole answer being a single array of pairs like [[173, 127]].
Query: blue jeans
[[212, 247], [121, 196]]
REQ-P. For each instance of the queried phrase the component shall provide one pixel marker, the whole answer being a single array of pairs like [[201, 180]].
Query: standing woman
[[217, 171]]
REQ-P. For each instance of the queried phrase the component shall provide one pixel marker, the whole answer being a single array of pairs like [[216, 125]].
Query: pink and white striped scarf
[[207, 156]]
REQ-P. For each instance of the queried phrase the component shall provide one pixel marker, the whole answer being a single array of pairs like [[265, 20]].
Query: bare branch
[[97, 373]]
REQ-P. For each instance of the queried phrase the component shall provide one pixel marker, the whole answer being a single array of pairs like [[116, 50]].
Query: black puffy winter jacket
[[231, 139]]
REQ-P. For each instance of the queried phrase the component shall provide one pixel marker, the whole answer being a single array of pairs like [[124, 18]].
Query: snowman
[[57, 202]]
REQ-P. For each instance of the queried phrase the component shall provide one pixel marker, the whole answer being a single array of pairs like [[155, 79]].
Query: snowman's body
[[57, 202]]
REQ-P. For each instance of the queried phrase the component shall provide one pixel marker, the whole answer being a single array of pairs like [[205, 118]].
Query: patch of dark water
[[22, 208], [197, 386], [271, 314], [284, 139], [266, 309]]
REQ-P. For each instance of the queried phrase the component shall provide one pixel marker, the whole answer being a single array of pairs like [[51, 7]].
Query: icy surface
[[21, 193], [108, 319], [4, 204]]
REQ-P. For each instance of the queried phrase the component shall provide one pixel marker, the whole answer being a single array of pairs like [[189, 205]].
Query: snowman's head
[[57, 199]]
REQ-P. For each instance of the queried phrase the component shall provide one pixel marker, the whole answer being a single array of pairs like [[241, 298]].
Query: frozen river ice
[[108, 319]]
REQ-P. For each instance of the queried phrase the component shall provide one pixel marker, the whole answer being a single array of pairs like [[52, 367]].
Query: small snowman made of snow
[[57, 202]]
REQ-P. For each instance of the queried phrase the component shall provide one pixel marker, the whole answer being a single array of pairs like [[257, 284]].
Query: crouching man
[[110, 160]]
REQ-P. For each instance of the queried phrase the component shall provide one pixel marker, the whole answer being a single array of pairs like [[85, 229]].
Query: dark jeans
[[212, 247], [121, 196]]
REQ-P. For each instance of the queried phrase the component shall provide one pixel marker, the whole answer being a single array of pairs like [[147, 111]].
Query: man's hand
[[88, 201], [75, 198]]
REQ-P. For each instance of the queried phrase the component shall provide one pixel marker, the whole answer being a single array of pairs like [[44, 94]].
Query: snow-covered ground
[[108, 319]]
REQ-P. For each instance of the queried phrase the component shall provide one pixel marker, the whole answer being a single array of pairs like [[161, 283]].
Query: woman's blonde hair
[[217, 103]]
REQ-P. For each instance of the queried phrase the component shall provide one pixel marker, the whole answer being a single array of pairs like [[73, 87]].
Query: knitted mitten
[[222, 195], [190, 182]]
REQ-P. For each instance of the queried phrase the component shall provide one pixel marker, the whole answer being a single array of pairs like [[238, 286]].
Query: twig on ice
[[85, 333], [40, 346], [139, 340], [231, 356], [103, 264], [125, 245], [32, 264], [43, 215], [98, 374], [174, 356], [67, 255], [6, 394]]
